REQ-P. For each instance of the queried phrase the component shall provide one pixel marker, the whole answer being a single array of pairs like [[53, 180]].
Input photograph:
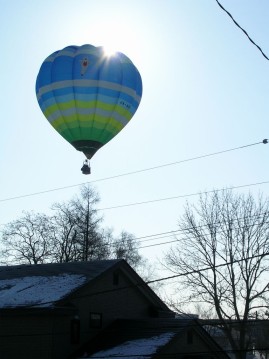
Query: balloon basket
[[86, 169]]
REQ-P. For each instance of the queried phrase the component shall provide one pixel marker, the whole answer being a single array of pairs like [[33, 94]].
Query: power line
[[181, 196], [177, 240], [169, 234], [198, 271], [158, 244], [176, 197], [160, 236], [265, 141], [166, 234], [244, 31]]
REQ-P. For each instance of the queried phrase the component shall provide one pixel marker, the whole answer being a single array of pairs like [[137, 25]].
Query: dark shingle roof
[[45, 284], [91, 269]]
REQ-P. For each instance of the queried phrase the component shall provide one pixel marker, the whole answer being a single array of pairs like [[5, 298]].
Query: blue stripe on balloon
[[65, 68]]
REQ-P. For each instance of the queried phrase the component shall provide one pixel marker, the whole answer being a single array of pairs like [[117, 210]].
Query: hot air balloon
[[88, 97]]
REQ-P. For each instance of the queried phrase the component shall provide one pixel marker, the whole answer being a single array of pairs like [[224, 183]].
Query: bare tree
[[65, 234], [126, 247], [222, 259], [76, 227], [72, 233], [27, 240]]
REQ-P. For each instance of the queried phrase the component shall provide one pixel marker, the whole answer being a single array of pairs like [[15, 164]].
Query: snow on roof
[[137, 349], [37, 290]]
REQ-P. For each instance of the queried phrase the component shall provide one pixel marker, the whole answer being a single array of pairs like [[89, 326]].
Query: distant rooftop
[[137, 349], [126, 337]]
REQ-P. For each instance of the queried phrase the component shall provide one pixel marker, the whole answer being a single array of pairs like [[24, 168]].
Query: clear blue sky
[[205, 90]]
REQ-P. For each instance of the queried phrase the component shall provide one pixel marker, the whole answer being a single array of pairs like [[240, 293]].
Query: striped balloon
[[86, 96]]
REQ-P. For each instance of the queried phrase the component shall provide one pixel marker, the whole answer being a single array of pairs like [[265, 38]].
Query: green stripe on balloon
[[95, 105], [85, 129]]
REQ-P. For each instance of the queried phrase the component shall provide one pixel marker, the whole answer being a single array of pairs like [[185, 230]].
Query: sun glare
[[109, 51]]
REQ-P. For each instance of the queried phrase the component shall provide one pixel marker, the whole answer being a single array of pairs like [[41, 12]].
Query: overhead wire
[[175, 232], [265, 141], [244, 31], [176, 197], [178, 240], [160, 235], [181, 196], [169, 234]]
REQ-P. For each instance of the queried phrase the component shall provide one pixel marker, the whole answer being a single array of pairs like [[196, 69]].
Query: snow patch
[[37, 290], [136, 349]]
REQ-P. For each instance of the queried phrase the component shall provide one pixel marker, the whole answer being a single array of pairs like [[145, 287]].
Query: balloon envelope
[[86, 96]]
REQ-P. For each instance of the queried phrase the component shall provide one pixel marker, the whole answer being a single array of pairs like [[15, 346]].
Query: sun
[[109, 50]]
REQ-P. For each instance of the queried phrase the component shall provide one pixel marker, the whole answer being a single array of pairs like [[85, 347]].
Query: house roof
[[141, 338], [44, 284], [137, 348]]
